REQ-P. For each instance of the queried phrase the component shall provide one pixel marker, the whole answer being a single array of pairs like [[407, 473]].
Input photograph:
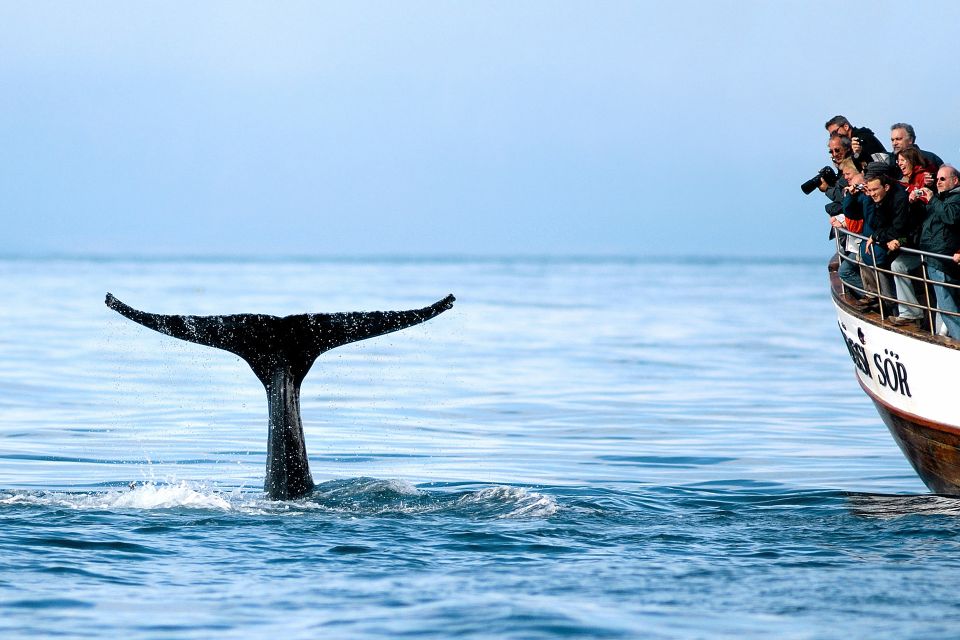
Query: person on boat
[[941, 234], [871, 255], [852, 220], [914, 172], [902, 136], [839, 148], [895, 227], [864, 143]]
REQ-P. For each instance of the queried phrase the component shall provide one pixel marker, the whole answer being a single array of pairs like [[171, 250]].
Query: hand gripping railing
[[880, 274]]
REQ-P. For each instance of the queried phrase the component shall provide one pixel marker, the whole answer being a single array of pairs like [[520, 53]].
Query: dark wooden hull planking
[[932, 449]]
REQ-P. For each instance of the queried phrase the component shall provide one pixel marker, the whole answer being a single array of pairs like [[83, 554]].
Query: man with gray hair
[[902, 136], [839, 149], [941, 234]]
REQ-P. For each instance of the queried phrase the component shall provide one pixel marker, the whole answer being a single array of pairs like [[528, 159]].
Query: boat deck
[[844, 297]]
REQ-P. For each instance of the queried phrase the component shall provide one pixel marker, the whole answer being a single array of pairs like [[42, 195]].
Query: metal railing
[[928, 303]]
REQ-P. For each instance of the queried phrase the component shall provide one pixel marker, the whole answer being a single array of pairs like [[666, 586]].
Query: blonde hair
[[847, 163]]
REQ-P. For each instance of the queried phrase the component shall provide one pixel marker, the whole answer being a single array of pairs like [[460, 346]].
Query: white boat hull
[[912, 379]]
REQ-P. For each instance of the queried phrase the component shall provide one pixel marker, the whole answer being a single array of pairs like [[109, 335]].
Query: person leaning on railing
[[852, 220], [941, 234], [860, 206], [897, 224], [915, 180]]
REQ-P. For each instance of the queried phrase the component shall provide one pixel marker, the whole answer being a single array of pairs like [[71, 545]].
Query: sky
[[313, 129]]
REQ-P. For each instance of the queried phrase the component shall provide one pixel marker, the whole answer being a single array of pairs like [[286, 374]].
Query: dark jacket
[[835, 194], [896, 219], [858, 206], [941, 229], [869, 145], [861, 207], [932, 160]]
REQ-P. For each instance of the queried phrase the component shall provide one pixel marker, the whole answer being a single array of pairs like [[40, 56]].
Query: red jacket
[[917, 180]]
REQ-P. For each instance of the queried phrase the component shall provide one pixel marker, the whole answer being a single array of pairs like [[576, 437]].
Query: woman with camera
[[915, 174]]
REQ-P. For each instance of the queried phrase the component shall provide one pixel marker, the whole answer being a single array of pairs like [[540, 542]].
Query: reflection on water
[[896, 506]]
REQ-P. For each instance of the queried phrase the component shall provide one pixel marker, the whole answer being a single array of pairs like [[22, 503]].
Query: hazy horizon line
[[386, 257]]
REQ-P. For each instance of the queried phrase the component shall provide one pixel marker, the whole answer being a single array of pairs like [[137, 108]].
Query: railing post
[[876, 279], [926, 294], [933, 312], [840, 241]]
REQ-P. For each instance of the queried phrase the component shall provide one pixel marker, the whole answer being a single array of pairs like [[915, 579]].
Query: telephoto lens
[[826, 174]]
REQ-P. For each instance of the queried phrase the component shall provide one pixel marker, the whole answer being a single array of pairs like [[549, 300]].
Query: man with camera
[[839, 148], [941, 234], [827, 179], [863, 142]]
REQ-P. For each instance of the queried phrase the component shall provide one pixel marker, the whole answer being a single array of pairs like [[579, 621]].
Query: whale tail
[[281, 350], [266, 341]]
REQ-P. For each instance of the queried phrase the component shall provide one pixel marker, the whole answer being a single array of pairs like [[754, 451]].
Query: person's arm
[[835, 193], [951, 211], [852, 206]]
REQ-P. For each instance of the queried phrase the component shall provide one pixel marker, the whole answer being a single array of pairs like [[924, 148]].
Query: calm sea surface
[[601, 449]]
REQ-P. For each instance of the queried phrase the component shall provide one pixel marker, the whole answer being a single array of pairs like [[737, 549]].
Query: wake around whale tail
[[281, 350]]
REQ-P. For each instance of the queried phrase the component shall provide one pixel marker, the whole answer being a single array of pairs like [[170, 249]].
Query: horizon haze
[[375, 128]]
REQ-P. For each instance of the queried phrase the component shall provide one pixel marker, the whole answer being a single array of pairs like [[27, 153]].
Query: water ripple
[[584, 448]]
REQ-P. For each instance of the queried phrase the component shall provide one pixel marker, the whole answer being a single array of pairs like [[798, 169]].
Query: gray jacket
[[941, 228]]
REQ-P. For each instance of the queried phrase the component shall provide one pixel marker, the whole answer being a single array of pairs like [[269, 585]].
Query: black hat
[[877, 169]]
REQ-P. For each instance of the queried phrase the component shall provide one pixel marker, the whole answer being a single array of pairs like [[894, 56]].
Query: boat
[[908, 372]]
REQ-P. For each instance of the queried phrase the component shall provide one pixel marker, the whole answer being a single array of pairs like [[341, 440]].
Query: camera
[[826, 174], [860, 187]]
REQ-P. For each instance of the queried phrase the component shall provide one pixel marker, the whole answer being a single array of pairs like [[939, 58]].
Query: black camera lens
[[811, 185], [826, 174]]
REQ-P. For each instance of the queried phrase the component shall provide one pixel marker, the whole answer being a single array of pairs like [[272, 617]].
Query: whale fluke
[[281, 350]]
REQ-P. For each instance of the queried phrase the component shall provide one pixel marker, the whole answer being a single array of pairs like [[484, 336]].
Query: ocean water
[[579, 448]]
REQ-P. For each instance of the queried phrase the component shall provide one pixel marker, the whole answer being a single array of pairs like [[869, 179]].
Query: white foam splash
[[356, 496], [527, 504], [168, 496], [144, 496]]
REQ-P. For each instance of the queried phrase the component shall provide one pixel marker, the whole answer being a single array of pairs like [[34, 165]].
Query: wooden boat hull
[[909, 375], [932, 449]]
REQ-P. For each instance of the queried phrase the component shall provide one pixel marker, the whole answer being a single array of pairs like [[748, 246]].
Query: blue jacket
[[861, 207]]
